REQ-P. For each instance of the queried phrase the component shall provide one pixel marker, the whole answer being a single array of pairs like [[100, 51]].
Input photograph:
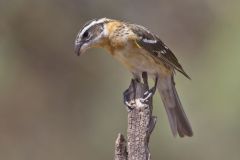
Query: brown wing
[[156, 47]]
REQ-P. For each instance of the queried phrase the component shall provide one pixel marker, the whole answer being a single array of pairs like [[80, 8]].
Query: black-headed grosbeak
[[139, 51]]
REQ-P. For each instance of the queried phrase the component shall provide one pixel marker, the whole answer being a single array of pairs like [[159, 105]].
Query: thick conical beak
[[77, 48]]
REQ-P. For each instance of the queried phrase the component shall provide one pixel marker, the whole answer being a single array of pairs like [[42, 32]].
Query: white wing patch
[[163, 51], [149, 41], [160, 53]]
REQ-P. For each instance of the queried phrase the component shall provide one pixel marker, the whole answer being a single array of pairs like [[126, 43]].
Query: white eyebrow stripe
[[92, 24]]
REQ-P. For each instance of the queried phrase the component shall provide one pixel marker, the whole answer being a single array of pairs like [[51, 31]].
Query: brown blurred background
[[57, 106]]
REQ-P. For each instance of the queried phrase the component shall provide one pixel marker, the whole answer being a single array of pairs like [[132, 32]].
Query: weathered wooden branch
[[140, 123], [120, 148]]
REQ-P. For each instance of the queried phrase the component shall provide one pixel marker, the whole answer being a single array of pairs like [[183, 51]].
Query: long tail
[[176, 115]]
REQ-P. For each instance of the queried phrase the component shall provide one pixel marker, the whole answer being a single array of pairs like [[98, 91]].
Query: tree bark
[[141, 123]]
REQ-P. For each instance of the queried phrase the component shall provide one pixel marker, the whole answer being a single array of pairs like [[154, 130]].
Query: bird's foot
[[129, 95], [148, 95], [136, 102], [127, 100], [138, 94]]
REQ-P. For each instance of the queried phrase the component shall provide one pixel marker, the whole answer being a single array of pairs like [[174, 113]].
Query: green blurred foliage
[[55, 105]]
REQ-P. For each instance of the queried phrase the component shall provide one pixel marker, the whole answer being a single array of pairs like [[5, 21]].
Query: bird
[[139, 51]]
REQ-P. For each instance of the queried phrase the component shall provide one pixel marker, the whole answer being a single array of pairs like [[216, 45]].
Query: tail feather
[[177, 118]]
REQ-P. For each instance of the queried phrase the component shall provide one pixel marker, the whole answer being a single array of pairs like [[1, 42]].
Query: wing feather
[[156, 47]]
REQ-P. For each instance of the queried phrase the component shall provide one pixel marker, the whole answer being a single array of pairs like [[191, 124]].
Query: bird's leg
[[138, 93], [136, 79], [151, 91], [129, 95]]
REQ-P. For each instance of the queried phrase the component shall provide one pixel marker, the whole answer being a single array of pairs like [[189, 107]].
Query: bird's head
[[91, 35]]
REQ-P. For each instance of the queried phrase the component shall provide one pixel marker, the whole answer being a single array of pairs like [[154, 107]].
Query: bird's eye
[[86, 34]]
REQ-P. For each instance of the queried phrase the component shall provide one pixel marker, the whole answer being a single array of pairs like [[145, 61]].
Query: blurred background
[[57, 106]]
